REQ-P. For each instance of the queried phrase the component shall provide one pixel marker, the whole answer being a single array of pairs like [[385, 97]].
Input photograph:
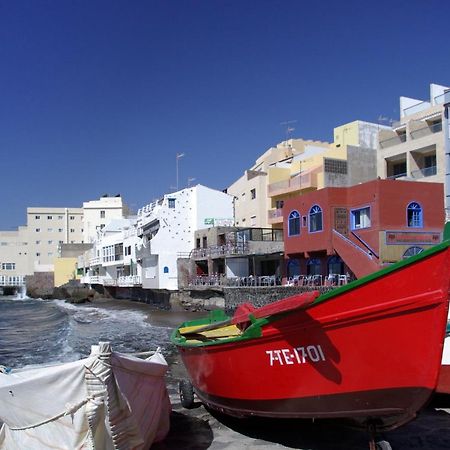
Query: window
[[315, 219], [37, 217], [411, 251], [49, 217], [72, 230], [60, 217], [50, 229], [38, 254], [8, 266], [38, 230], [60, 230], [253, 194], [49, 254], [171, 202], [38, 242], [293, 267], [313, 267], [253, 221], [360, 218], [60, 242], [50, 242], [102, 214], [414, 212], [294, 224], [72, 217], [279, 204]]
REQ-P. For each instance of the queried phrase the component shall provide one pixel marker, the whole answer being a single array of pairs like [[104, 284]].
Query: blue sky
[[98, 97]]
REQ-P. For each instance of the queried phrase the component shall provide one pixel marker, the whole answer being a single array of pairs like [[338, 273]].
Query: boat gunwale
[[254, 330]]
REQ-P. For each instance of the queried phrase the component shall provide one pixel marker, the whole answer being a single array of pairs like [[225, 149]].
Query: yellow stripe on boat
[[227, 331]]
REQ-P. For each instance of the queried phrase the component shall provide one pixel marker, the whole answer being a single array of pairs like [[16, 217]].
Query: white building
[[98, 213], [166, 228], [112, 260]]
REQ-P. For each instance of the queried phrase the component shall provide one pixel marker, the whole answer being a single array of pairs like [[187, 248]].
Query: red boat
[[369, 351]]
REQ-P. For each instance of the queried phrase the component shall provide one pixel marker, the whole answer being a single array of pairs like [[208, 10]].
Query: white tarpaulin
[[106, 401]]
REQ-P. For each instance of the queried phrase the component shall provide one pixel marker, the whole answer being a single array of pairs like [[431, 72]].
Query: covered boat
[[106, 401], [369, 351]]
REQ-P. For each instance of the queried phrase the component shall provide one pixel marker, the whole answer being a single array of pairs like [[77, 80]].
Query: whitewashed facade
[[166, 230]]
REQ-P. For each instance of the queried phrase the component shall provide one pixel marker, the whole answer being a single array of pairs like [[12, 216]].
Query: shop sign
[[412, 238]]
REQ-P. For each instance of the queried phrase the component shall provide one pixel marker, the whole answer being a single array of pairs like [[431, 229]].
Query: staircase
[[359, 260]]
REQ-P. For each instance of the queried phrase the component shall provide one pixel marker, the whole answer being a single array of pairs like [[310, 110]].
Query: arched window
[[293, 267], [335, 265], [411, 251], [313, 267], [415, 218], [294, 224], [315, 219]]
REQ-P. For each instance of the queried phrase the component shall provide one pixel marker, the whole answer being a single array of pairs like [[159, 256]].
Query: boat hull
[[370, 353]]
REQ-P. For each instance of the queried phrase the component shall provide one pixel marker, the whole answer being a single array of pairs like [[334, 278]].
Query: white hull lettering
[[298, 355]]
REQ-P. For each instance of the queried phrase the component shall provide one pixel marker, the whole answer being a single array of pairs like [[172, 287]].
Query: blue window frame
[[171, 202], [415, 216], [360, 218], [294, 223], [313, 267], [315, 219]]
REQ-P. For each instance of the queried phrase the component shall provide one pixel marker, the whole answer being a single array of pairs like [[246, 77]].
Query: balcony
[[129, 281], [96, 261], [275, 215], [424, 129], [303, 181], [424, 172], [215, 251], [395, 140]]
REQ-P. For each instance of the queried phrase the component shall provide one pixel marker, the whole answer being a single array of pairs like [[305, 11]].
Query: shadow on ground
[[186, 433]]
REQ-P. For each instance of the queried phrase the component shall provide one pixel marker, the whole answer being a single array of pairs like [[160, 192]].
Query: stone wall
[[40, 285], [260, 296]]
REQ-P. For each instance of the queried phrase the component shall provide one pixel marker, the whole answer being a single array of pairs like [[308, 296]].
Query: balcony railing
[[424, 172], [129, 280], [239, 248], [304, 180], [398, 175], [275, 215], [395, 140], [14, 281], [96, 261], [426, 130]]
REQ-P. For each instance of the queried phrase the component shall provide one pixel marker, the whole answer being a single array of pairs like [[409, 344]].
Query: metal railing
[[222, 280], [13, 281], [129, 280], [240, 248]]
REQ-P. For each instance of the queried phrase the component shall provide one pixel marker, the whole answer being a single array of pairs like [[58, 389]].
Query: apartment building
[[36, 246], [98, 213], [14, 261], [297, 166], [48, 228], [414, 148], [251, 202]]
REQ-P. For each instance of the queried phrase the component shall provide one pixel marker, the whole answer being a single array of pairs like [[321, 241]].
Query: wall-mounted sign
[[218, 222], [412, 238]]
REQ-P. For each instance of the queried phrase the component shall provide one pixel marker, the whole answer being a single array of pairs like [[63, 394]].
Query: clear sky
[[98, 97]]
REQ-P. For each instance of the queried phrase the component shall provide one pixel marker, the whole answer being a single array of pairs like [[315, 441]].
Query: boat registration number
[[297, 355]]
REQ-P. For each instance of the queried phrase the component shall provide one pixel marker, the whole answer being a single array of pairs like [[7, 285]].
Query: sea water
[[35, 331]]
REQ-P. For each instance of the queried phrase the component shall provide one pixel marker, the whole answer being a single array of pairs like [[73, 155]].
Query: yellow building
[[65, 270], [298, 166]]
